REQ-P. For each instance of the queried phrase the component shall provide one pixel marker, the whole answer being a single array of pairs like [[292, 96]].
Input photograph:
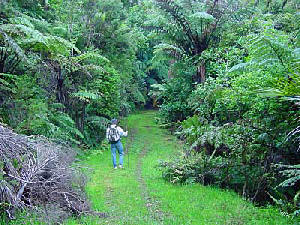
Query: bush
[[240, 122], [174, 106]]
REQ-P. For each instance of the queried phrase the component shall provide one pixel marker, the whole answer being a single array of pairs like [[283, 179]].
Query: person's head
[[114, 121]]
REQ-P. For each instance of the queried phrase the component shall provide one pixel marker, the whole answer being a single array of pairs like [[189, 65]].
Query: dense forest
[[224, 74]]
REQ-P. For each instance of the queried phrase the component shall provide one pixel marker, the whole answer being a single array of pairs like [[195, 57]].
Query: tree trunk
[[46, 5], [200, 73], [82, 121], [60, 85], [284, 3]]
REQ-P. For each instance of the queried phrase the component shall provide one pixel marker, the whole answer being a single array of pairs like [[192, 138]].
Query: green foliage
[[241, 116], [291, 173], [85, 96], [174, 106], [7, 82], [80, 55]]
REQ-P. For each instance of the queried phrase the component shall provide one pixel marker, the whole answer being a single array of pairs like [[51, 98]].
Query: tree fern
[[272, 47], [66, 128], [86, 96], [292, 174], [172, 50], [100, 122], [202, 16], [271, 51], [156, 90], [10, 43], [30, 38], [6, 82], [90, 55]]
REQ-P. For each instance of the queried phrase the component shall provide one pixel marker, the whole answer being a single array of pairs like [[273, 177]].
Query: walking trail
[[138, 195]]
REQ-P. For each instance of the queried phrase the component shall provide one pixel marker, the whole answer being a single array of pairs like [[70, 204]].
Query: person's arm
[[122, 133]]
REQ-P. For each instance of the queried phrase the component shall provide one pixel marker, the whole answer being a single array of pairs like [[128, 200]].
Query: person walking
[[113, 135]]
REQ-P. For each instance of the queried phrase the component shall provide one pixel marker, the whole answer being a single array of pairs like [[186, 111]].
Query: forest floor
[[138, 195]]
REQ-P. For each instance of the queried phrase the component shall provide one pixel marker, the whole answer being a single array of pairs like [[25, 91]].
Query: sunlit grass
[[118, 193], [195, 204]]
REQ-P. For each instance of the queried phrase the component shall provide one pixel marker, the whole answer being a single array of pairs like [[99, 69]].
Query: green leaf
[[239, 67], [86, 95], [202, 16]]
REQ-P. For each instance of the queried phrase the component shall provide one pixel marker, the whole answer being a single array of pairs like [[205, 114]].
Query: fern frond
[[169, 49], [296, 202], [57, 106], [239, 67], [271, 92], [93, 67], [28, 37], [156, 90], [98, 121], [9, 42], [202, 16], [270, 48], [65, 127], [296, 53], [86, 95], [22, 20], [290, 182], [60, 45], [6, 85], [90, 55]]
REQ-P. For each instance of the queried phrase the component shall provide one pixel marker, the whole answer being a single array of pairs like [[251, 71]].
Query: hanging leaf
[[86, 96], [202, 16], [239, 67]]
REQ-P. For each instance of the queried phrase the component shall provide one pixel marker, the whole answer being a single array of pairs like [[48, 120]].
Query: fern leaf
[[90, 55], [60, 45], [86, 95], [271, 92], [290, 182], [91, 67], [6, 85], [167, 48], [239, 67], [202, 16], [101, 122], [12, 44], [296, 53]]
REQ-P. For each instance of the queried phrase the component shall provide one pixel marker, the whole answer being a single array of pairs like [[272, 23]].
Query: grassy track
[[138, 195]]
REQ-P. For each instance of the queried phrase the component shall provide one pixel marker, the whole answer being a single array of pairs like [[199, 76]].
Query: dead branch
[[37, 172]]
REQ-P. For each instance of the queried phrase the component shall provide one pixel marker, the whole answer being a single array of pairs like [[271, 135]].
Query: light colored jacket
[[121, 131]]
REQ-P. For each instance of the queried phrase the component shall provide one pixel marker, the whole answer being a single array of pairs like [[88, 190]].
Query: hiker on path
[[113, 135]]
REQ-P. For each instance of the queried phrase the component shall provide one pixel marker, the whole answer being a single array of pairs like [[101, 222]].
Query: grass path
[[138, 195]]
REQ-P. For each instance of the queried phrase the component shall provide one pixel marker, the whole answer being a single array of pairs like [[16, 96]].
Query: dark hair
[[114, 121]]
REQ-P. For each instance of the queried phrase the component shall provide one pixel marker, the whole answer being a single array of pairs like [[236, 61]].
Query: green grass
[[121, 194], [129, 197]]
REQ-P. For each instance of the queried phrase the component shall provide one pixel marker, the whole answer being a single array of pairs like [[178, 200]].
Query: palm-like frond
[[30, 38], [11, 43], [5, 84], [90, 55], [98, 121], [86, 96], [171, 50], [204, 16], [271, 49]]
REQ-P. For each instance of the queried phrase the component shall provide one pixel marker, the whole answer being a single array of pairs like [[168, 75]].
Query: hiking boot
[[121, 166]]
